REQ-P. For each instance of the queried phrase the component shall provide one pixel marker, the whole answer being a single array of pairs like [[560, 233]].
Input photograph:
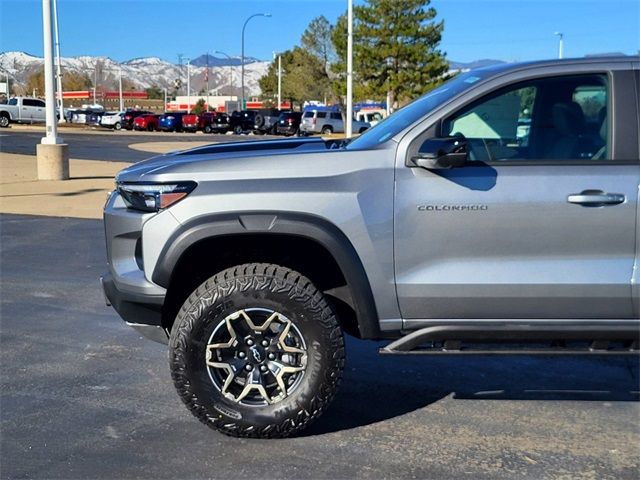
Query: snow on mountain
[[142, 72]]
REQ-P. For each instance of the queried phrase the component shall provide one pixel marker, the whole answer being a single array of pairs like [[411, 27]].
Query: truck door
[[39, 113], [541, 221], [27, 109]]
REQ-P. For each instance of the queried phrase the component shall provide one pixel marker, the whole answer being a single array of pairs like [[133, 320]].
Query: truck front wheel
[[4, 120], [256, 351]]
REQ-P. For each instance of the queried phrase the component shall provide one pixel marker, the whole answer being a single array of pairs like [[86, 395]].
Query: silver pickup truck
[[497, 214], [22, 110]]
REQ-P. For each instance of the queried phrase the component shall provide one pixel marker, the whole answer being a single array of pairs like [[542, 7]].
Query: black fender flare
[[311, 227]]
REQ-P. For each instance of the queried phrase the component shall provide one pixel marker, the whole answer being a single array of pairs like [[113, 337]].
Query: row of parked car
[[263, 121]]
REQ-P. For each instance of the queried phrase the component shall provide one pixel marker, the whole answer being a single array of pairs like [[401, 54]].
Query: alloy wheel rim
[[256, 357]]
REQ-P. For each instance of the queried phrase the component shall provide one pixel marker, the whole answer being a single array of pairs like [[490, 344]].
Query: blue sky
[[474, 29]]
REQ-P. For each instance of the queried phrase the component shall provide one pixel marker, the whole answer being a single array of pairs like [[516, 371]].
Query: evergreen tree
[[199, 107], [316, 39], [304, 77], [395, 49]]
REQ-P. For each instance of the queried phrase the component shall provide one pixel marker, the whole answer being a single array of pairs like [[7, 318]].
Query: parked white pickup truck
[[22, 110]]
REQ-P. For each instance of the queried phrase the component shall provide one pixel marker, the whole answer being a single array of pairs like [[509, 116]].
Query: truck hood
[[183, 159]]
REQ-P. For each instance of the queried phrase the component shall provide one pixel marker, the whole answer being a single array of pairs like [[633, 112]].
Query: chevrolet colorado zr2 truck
[[498, 213]]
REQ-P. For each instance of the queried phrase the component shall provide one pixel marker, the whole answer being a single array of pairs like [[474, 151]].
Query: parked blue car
[[171, 122]]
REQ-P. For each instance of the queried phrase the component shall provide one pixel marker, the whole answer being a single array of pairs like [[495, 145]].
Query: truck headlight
[[151, 197]]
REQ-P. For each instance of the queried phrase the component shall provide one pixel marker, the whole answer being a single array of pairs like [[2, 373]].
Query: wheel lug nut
[[249, 342], [263, 368], [248, 368], [272, 356], [265, 343], [241, 354]]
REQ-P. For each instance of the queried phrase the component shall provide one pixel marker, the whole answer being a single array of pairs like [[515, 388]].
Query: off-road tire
[[257, 285], [238, 130]]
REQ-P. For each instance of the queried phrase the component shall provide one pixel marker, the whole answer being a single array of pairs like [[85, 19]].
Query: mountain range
[[224, 74]]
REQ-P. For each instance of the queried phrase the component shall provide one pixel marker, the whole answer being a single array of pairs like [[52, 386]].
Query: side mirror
[[442, 153]]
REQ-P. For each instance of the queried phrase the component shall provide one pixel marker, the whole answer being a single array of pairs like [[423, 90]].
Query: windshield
[[409, 114]]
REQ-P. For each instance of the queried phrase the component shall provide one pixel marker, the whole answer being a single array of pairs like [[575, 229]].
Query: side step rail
[[519, 340]]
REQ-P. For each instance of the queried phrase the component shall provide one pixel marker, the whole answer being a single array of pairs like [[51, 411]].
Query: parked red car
[[147, 122], [191, 122], [208, 122]]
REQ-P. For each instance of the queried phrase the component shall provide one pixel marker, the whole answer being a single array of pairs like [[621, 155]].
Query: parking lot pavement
[[83, 396], [110, 145]]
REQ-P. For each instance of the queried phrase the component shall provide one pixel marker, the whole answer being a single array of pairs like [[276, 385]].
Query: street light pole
[[242, 65], [49, 83], [51, 154], [349, 116], [230, 71], [58, 67], [560, 44]]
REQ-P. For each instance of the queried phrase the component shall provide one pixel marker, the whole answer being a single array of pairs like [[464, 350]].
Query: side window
[[322, 114], [336, 116], [39, 103], [27, 102], [559, 118]]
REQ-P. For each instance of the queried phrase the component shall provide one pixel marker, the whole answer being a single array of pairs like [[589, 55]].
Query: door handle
[[595, 198]]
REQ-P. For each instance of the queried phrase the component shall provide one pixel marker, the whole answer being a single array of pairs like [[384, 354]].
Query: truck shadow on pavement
[[376, 388]]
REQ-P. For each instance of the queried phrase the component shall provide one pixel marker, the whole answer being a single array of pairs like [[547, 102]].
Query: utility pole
[[349, 114], [120, 89], [61, 118], [279, 81], [206, 76], [164, 108], [188, 85], [52, 155], [95, 81], [560, 44]]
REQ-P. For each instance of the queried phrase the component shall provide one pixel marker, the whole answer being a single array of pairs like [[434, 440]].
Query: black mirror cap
[[442, 153]]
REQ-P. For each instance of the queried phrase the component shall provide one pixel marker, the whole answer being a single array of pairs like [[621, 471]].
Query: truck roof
[[506, 67]]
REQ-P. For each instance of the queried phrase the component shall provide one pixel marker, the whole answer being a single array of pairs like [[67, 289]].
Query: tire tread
[[259, 276]]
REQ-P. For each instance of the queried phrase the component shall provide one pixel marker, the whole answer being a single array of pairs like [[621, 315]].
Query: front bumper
[[136, 299], [139, 311]]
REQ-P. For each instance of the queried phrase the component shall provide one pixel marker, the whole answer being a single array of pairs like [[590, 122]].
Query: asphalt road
[[107, 145], [83, 396]]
